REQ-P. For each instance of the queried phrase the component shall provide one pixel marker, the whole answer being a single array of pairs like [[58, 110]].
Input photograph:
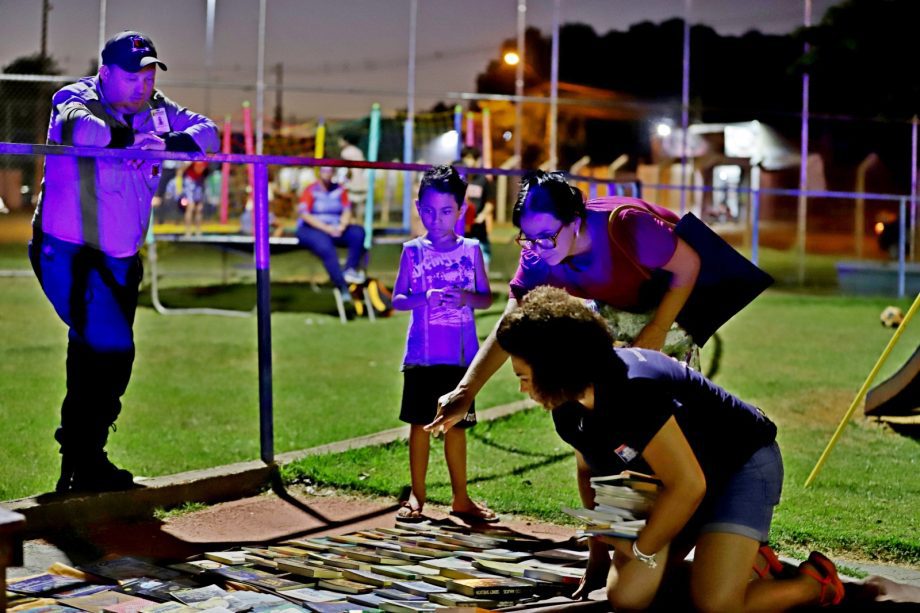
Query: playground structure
[[896, 400]]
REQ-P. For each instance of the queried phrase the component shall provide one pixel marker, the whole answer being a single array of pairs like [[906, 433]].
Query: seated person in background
[[324, 223], [192, 197]]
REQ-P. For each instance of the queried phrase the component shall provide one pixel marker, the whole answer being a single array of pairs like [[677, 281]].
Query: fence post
[[755, 226], [263, 312]]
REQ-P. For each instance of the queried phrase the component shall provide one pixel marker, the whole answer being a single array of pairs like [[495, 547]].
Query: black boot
[[96, 473]]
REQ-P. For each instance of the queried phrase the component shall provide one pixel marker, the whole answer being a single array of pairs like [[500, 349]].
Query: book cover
[[419, 588], [314, 544], [258, 600], [132, 605], [367, 555], [119, 569], [289, 551], [229, 558], [240, 573], [368, 600], [156, 589], [407, 606], [368, 577], [507, 569], [200, 594], [96, 603], [338, 561], [83, 590], [278, 584], [335, 607], [562, 555], [170, 607], [559, 575], [449, 562], [260, 562], [498, 555], [428, 543], [308, 594], [345, 586], [394, 594], [47, 608], [451, 599], [612, 531], [469, 541], [490, 587], [305, 568], [437, 580], [405, 556], [427, 552], [262, 552], [195, 567], [636, 481], [44, 583], [404, 573]]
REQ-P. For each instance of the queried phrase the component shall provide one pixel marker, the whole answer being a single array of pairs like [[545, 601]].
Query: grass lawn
[[193, 399]]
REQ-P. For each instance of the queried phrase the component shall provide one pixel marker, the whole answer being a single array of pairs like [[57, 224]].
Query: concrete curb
[[52, 512]]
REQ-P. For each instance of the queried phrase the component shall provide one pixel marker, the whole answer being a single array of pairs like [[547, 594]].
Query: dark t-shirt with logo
[[723, 431]]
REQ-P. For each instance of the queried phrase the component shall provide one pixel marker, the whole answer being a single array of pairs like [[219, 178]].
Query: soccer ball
[[891, 317]]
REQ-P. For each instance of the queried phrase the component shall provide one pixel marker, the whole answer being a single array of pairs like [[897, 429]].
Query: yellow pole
[[863, 390], [319, 145]]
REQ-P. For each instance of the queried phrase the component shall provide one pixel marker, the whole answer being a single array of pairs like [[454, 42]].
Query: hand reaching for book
[[452, 408]]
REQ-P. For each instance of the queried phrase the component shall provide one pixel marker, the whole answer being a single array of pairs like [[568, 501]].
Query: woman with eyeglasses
[[630, 263]]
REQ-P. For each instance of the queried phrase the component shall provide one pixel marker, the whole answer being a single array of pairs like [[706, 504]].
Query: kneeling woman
[[715, 455]]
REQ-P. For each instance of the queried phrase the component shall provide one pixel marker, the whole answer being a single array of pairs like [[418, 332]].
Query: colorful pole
[[320, 144], [373, 147], [225, 171], [458, 128], [247, 141], [486, 138], [470, 140]]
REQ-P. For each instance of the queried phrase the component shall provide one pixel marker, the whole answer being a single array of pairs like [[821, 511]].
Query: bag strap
[[612, 232]]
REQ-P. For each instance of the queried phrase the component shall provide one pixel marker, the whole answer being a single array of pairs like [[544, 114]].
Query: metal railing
[[261, 228]]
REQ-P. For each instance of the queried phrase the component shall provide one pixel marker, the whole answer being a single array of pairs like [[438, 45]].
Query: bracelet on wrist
[[648, 560]]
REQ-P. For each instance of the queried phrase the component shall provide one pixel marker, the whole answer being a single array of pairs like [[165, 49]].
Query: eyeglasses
[[543, 242]]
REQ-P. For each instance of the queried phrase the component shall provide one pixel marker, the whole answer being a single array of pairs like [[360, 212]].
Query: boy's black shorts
[[422, 386]]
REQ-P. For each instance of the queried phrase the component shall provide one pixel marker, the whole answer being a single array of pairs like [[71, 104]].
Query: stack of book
[[404, 569], [622, 504]]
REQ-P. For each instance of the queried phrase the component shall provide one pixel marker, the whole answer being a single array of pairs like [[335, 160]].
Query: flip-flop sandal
[[773, 568], [480, 516], [824, 572], [409, 514]]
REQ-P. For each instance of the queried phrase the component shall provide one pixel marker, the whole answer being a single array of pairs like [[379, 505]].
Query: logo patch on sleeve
[[626, 453]]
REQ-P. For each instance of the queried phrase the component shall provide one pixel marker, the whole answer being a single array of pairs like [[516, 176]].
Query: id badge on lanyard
[[160, 120]]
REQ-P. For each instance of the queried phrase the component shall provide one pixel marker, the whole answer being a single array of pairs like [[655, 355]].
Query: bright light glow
[[442, 149], [663, 130], [740, 142], [507, 135], [512, 58], [879, 228], [24, 189]]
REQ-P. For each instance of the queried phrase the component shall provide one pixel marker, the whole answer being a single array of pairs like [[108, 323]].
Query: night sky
[[350, 53]]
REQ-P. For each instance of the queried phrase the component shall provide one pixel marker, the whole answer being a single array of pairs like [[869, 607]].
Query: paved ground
[[277, 516], [79, 529]]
